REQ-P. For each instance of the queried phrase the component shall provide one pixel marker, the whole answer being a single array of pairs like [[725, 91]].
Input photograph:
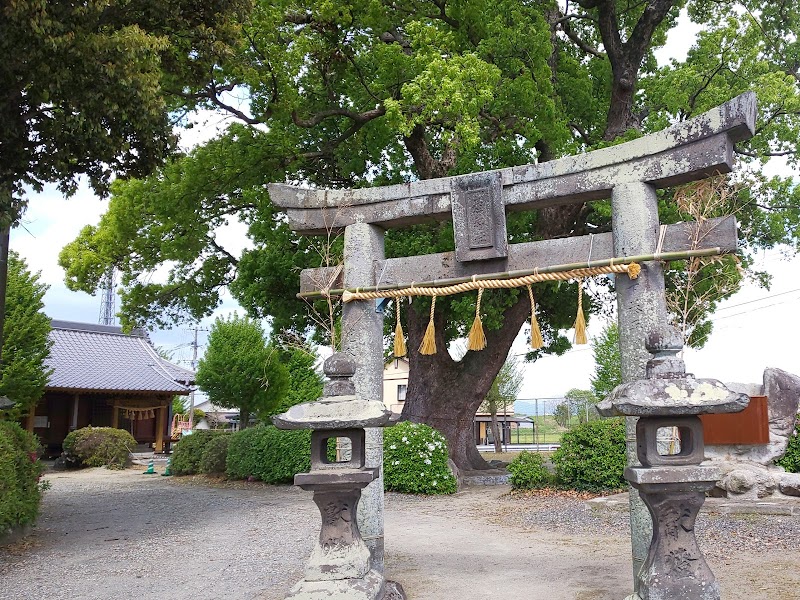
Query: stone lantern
[[339, 567], [672, 485]]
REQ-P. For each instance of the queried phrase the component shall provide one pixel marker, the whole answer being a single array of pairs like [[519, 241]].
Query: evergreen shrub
[[215, 454], [791, 460], [98, 447], [592, 456], [188, 452], [268, 454], [528, 472], [415, 460], [20, 490]]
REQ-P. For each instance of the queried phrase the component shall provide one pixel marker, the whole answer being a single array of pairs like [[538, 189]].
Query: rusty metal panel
[[751, 426]]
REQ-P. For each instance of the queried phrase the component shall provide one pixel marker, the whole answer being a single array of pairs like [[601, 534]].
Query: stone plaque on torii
[[629, 174]]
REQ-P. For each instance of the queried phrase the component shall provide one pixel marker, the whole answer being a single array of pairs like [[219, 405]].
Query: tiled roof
[[86, 356]]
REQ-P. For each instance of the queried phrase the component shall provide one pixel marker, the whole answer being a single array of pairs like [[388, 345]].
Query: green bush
[[98, 447], [188, 452], [269, 454], [415, 460], [20, 491], [215, 455], [791, 460], [592, 456], [528, 472]]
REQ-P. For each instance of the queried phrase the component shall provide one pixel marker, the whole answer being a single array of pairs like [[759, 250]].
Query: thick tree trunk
[[445, 393], [244, 418], [621, 117]]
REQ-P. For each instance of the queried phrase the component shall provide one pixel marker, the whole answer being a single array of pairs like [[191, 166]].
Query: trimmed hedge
[[98, 447], [528, 472], [268, 454], [592, 456], [215, 455], [20, 491], [791, 460], [188, 452], [415, 460]]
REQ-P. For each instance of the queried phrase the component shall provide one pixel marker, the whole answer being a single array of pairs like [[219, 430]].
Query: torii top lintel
[[687, 151]]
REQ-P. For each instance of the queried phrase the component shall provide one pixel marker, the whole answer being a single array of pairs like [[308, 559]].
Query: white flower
[[396, 462], [427, 461], [392, 447], [405, 439], [433, 482], [431, 447]]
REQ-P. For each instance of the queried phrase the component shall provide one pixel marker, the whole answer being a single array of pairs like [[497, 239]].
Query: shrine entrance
[[629, 174]]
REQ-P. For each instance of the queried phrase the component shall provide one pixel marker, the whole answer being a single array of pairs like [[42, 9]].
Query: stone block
[[319, 449], [790, 484], [691, 435], [369, 587]]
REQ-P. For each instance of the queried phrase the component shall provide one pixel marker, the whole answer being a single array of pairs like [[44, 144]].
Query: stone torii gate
[[629, 174]]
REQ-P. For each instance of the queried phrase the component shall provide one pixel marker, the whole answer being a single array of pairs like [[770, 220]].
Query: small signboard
[[749, 427]]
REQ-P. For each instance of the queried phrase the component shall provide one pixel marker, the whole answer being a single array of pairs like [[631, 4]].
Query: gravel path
[[105, 534]]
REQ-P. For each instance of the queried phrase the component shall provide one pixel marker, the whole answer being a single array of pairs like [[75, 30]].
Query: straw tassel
[[399, 340], [477, 339], [536, 333], [428, 345], [580, 322]]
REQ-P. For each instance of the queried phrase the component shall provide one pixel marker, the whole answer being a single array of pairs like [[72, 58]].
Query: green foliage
[[592, 456], [305, 382], [98, 447], [189, 451], [415, 460], [582, 404], [607, 363], [341, 95], [20, 490], [90, 94], [269, 454], [215, 453], [528, 472], [239, 370], [791, 460], [561, 414], [25, 339]]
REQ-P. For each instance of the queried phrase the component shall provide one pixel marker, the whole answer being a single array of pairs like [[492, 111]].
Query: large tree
[[241, 370], [366, 92]]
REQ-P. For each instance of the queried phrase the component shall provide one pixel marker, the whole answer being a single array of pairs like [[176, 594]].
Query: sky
[[755, 329]]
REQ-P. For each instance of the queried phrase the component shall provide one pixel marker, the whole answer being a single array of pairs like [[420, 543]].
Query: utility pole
[[194, 369]]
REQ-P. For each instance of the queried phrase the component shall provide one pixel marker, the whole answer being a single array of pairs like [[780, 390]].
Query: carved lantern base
[[675, 567]]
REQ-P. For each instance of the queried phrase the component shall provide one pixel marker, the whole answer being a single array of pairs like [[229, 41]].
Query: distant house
[[106, 378], [395, 386]]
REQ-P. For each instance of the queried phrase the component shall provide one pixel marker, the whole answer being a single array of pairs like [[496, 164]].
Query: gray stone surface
[[641, 308], [479, 217], [339, 412], [790, 484], [713, 233], [362, 339], [687, 396], [748, 481], [369, 587], [690, 150]]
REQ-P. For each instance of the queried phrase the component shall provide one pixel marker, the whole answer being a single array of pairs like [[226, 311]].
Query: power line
[[759, 299]]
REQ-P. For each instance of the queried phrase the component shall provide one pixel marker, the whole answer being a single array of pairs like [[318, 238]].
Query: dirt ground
[[105, 534]]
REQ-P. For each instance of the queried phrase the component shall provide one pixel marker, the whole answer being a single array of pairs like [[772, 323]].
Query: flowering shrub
[[415, 460], [528, 472]]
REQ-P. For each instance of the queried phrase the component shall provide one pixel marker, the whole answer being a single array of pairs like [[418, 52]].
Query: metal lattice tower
[[108, 298]]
